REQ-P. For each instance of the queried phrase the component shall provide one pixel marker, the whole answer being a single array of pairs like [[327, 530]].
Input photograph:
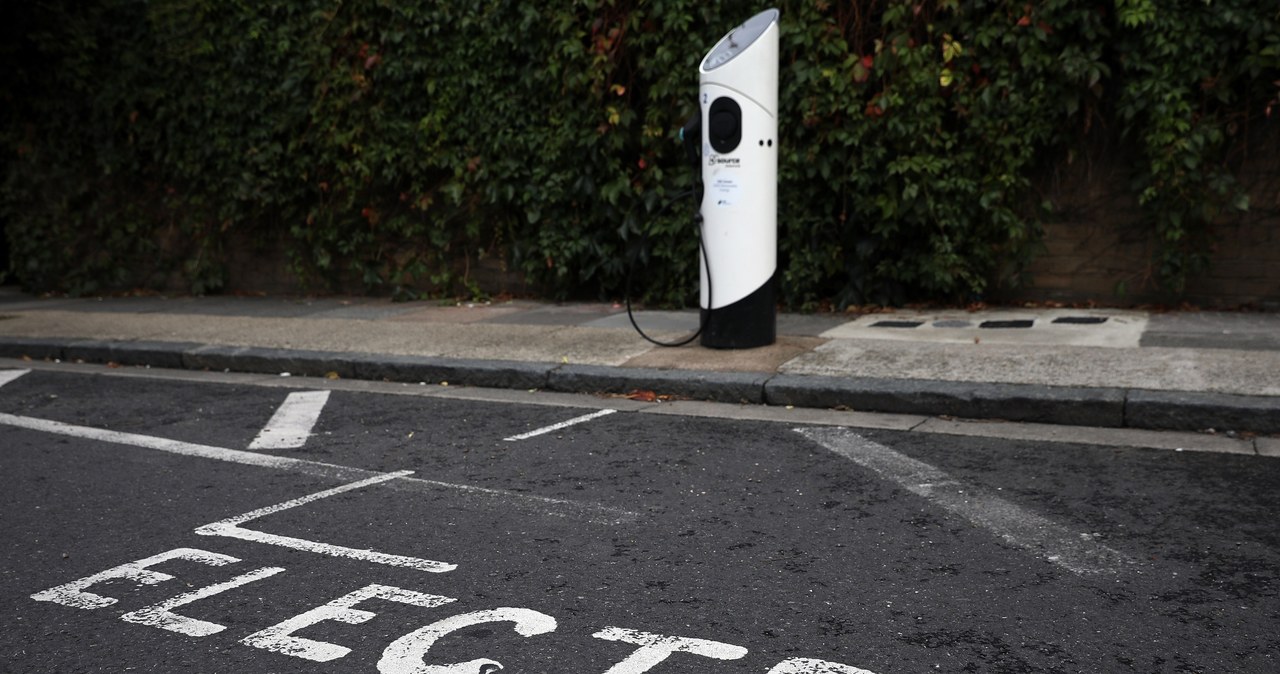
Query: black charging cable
[[690, 134]]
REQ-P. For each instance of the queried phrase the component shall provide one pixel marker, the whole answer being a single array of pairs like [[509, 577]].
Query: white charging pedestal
[[738, 96]]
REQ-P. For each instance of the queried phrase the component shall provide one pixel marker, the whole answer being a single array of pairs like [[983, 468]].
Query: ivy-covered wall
[[398, 146]]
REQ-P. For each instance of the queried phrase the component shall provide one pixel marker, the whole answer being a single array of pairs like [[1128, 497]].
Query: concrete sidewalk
[[1089, 367]]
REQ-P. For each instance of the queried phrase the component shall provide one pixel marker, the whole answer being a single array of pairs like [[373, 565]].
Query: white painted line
[[811, 666], [291, 425], [161, 615], [1076, 552], [76, 595], [543, 505], [231, 528], [562, 424], [280, 637], [186, 448], [655, 648], [406, 654], [7, 376]]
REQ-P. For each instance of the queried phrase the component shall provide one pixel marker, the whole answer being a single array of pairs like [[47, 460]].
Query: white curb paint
[[7, 376], [231, 528], [291, 425], [544, 505], [562, 424], [1077, 553], [279, 638], [161, 615]]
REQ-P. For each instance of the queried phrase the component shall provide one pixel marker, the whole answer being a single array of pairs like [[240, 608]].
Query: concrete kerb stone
[[38, 348], [1177, 410], [150, 353], [508, 374], [1012, 402], [373, 367], [1099, 407], [725, 387], [269, 361]]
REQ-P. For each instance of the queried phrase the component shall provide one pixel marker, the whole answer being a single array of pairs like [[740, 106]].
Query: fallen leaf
[[331, 375]]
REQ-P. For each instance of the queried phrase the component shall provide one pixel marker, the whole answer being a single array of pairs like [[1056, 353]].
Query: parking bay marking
[[291, 425], [562, 424], [231, 528], [407, 653], [7, 376], [592, 513], [1077, 553]]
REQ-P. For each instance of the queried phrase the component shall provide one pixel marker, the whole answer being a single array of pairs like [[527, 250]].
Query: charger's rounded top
[[739, 39]]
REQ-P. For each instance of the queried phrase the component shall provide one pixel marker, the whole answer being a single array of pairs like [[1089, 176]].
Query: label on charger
[[725, 190]]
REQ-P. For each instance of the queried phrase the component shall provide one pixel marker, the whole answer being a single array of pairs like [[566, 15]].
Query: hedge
[[397, 145]]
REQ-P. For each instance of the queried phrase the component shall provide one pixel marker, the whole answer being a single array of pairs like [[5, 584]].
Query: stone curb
[[376, 367], [1078, 406], [156, 354], [1176, 410], [724, 387]]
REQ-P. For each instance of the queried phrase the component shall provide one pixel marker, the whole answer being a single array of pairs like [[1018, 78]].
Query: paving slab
[[1214, 330], [461, 313], [1077, 327], [695, 357], [652, 322], [558, 314], [1216, 370], [457, 340], [366, 310]]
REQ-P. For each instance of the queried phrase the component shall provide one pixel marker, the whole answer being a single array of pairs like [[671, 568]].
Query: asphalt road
[[187, 526]]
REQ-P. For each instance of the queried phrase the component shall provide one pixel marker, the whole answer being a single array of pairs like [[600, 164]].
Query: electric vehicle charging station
[[738, 101]]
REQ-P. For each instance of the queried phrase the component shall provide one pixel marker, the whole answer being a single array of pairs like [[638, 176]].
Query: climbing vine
[[396, 146]]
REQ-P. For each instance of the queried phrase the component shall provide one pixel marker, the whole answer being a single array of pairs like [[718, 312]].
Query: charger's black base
[[748, 323]]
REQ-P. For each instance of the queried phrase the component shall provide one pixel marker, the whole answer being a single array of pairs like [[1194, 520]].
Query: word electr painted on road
[[407, 654]]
